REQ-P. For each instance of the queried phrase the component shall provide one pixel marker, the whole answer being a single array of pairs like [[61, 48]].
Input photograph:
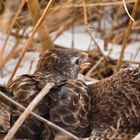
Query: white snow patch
[[81, 41]]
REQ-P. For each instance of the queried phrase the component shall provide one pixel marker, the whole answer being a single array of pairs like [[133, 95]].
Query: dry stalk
[[137, 137], [10, 100], [29, 41], [22, 36], [10, 54], [125, 7], [93, 39], [127, 32], [131, 61], [12, 24], [137, 52], [85, 13], [114, 3], [35, 10], [14, 51], [109, 33], [94, 67], [68, 23], [28, 110], [30, 67], [87, 29]]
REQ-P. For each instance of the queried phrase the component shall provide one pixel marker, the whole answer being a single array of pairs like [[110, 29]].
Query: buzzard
[[67, 104], [110, 108]]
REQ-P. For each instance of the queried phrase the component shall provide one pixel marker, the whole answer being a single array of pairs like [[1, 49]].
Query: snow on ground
[[81, 41]]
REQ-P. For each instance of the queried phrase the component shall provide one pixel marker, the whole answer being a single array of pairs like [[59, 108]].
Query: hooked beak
[[84, 64]]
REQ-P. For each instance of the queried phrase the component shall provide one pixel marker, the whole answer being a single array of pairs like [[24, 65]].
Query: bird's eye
[[77, 62]]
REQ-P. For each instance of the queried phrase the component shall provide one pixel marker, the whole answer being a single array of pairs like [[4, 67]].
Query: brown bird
[[111, 103], [67, 105], [115, 102]]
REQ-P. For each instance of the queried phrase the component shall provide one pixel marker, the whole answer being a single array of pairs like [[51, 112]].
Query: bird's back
[[70, 107], [116, 101]]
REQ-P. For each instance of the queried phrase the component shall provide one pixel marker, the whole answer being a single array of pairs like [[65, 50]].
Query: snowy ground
[[81, 41]]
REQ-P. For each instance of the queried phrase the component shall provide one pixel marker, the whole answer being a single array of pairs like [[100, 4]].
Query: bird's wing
[[24, 88], [117, 99], [70, 107], [31, 128], [5, 111]]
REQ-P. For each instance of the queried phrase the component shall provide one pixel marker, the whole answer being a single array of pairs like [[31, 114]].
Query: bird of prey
[[67, 105], [109, 108], [115, 102], [115, 106]]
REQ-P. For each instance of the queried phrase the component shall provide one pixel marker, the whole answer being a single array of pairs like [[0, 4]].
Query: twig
[[31, 65], [12, 25], [93, 39], [94, 67], [85, 13], [115, 3], [137, 137], [11, 53], [87, 28], [38, 117], [137, 52], [109, 34], [127, 32], [125, 7], [73, 39], [131, 61], [29, 41], [28, 110], [35, 10]]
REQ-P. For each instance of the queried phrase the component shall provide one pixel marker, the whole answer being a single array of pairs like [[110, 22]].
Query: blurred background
[[104, 29]]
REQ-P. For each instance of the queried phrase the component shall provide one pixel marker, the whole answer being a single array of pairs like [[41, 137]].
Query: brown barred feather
[[5, 111], [111, 103], [116, 102], [67, 105], [70, 107], [5, 114], [110, 134]]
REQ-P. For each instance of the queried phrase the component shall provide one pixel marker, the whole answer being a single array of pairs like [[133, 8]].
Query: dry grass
[[64, 16], [57, 17]]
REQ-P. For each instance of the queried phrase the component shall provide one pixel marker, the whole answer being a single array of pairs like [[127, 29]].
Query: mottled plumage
[[65, 101], [110, 134], [70, 107], [4, 117], [5, 111], [116, 102], [109, 108]]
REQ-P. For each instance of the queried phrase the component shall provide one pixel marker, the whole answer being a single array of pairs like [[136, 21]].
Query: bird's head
[[65, 62]]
